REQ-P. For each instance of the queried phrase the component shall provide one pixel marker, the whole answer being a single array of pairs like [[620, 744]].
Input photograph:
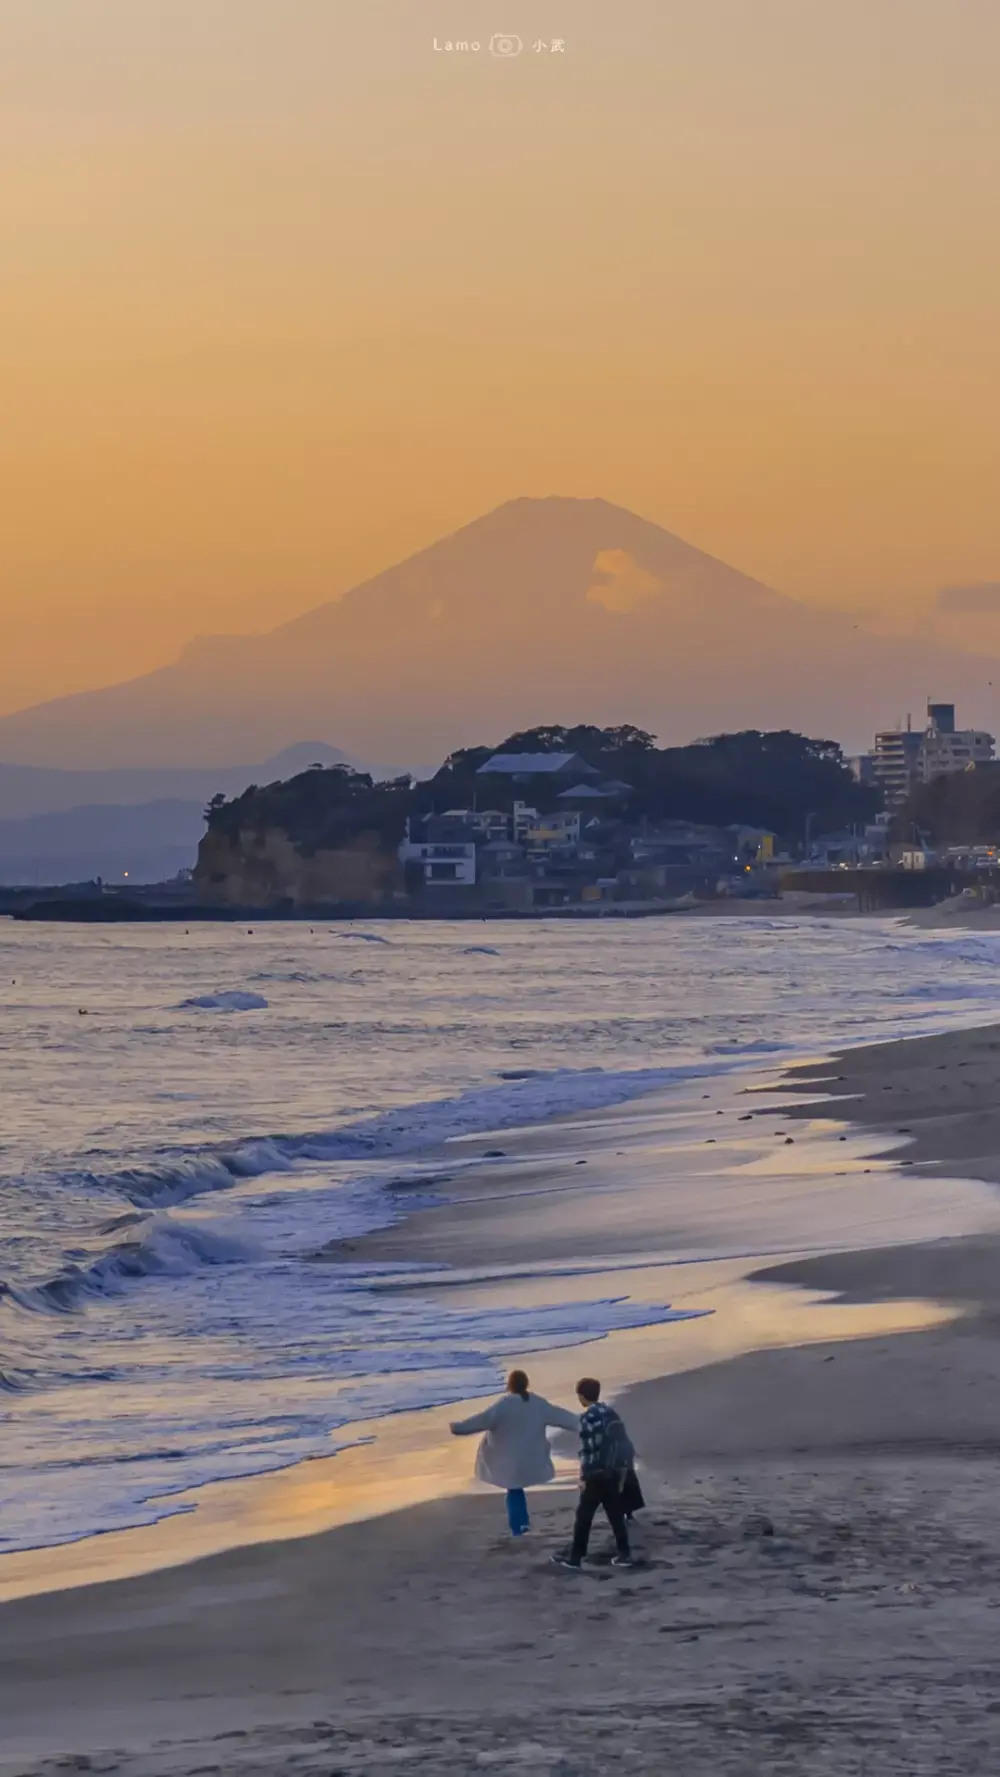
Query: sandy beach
[[820, 1573]]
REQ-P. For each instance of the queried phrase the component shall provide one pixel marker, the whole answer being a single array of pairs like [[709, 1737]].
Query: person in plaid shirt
[[606, 1457]]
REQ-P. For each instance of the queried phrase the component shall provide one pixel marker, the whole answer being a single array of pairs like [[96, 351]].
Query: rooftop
[[533, 765], [587, 792]]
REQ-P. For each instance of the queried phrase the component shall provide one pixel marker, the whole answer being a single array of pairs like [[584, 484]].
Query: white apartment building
[[945, 750], [903, 757], [443, 861]]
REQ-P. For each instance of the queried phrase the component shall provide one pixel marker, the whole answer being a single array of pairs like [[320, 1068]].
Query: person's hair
[[588, 1389], [517, 1383]]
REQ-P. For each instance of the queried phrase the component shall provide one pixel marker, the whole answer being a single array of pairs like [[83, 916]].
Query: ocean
[[187, 1117]]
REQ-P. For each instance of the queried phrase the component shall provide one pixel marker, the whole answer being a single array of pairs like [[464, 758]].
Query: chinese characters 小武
[[553, 45]]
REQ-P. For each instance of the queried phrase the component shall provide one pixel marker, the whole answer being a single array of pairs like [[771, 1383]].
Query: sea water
[[188, 1116]]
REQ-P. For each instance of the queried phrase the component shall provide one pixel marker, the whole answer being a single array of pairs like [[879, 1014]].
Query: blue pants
[[517, 1511]]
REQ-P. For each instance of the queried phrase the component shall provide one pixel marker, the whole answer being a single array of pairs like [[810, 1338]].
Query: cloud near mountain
[[542, 610], [983, 597]]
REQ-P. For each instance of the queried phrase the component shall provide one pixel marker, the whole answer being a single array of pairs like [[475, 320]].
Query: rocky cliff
[[262, 867]]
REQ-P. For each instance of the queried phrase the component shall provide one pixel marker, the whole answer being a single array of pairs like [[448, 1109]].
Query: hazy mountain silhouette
[[49, 790], [71, 825], [543, 610], [150, 843]]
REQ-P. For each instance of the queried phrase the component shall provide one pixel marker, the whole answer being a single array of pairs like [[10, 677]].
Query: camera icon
[[503, 44]]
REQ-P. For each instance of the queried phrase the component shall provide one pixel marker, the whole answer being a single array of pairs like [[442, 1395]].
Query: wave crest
[[231, 1000], [164, 1249]]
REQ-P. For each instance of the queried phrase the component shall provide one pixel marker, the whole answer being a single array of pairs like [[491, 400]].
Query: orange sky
[[287, 295]]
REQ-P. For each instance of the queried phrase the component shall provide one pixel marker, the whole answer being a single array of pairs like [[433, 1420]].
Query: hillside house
[[442, 861], [547, 833], [558, 769]]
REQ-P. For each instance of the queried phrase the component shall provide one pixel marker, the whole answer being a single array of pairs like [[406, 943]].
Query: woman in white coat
[[515, 1452]]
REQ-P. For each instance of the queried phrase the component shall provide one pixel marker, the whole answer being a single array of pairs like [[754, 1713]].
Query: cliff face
[[263, 868]]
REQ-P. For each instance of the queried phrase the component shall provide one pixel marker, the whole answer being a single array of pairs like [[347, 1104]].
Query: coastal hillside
[[543, 820], [546, 606]]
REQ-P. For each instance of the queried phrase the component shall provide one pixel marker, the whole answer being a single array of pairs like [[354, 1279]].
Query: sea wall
[[877, 891], [263, 868]]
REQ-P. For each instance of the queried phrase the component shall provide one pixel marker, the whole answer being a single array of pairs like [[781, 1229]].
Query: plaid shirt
[[595, 1445]]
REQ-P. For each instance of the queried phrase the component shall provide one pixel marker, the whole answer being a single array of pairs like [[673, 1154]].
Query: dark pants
[[599, 1490], [517, 1511]]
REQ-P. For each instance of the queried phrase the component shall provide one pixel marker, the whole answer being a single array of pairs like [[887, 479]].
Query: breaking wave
[[233, 1000], [525, 1097], [147, 1347], [162, 1249]]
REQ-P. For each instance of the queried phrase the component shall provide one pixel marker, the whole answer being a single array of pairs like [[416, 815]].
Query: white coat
[[515, 1451]]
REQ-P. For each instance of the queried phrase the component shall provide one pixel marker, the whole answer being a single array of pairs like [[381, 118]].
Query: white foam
[[526, 1097], [165, 1346], [315, 1382], [231, 1000]]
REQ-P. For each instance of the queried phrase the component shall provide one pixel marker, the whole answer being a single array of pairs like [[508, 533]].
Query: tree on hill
[[596, 745], [320, 809], [959, 808], [780, 781], [775, 780]]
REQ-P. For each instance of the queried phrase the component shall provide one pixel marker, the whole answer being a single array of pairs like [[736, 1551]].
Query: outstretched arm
[[462, 1428], [563, 1418]]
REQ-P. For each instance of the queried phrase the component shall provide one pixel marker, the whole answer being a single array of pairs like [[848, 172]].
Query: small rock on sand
[[758, 1524]]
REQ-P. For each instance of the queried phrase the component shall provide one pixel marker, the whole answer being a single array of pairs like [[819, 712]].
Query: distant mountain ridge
[[70, 826], [149, 843], [27, 790], [553, 610]]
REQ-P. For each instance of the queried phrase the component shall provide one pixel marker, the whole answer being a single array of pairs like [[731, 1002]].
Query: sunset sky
[[289, 294]]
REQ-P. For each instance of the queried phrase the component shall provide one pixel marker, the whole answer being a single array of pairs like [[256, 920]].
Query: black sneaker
[[622, 1561], [565, 1561]]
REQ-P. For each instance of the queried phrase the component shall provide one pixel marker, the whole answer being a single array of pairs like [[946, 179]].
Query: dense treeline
[[962, 808], [781, 781], [777, 780], [321, 810]]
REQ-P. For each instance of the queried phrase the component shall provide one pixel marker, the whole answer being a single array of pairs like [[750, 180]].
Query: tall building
[[904, 757], [941, 717], [947, 748], [896, 763]]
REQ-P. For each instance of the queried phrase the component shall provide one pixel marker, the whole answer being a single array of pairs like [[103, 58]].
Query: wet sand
[[935, 1100], [818, 1591], [821, 1555]]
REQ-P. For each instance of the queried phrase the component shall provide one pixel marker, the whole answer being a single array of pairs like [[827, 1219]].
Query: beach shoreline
[[938, 1094], [846, 1399], [574, 1209]]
